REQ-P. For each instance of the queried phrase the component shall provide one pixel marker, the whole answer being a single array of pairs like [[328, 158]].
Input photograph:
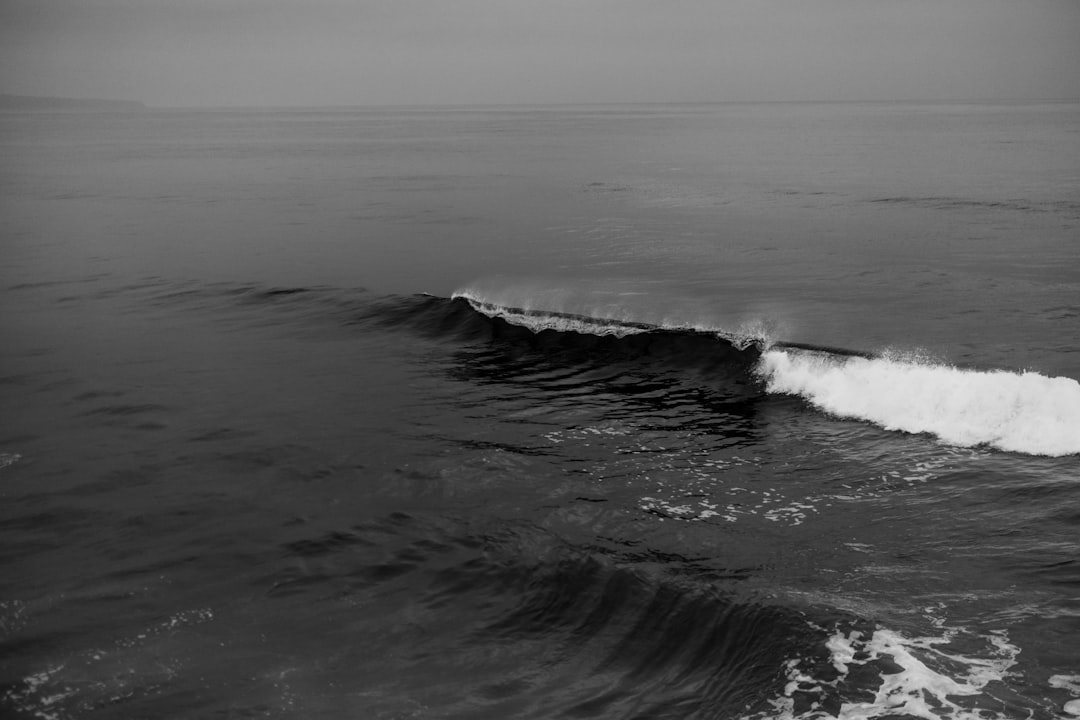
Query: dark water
[[735, 411]]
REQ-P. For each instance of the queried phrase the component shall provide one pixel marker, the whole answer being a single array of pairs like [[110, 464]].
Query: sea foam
[[908, 677], [1017, 412]]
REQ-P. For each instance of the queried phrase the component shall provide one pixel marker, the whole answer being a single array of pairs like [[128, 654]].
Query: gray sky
[[319, 52]]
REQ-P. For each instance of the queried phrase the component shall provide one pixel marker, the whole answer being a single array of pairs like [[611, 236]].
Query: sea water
[[698, 411]]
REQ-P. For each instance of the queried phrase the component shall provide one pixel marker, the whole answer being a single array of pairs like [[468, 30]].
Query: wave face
[[1022, 412], [556, 630]]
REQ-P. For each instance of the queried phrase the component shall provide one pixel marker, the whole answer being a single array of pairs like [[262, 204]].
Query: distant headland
[[32, 103]]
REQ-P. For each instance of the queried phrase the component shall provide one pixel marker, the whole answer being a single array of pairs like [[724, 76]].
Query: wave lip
[[539, 320], [1016, 412]]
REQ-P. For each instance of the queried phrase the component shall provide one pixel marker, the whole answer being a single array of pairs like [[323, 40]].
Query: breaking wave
[[1023, 412], [1017, 412]]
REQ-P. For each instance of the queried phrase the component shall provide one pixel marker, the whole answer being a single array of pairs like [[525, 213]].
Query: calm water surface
[[704, 411]]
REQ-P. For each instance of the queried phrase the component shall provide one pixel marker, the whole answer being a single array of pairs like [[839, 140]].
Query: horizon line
[[578, 103], [534, 103]]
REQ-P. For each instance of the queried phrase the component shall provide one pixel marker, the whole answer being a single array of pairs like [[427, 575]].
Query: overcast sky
[[320, 52]]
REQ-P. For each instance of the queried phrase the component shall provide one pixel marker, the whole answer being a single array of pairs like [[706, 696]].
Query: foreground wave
[[1011, 411], [499, 619]]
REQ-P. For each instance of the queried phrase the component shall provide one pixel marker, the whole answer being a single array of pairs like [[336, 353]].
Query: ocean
[[734, 410]]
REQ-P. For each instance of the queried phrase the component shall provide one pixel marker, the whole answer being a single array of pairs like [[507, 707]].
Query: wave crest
[[539, 320]]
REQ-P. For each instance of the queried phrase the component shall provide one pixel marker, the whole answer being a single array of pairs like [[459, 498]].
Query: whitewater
[[1012, 411]]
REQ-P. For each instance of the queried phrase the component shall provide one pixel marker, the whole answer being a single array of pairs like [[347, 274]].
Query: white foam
[[1072, 684], [1066, 682], [916, 690], [1018, 412]]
